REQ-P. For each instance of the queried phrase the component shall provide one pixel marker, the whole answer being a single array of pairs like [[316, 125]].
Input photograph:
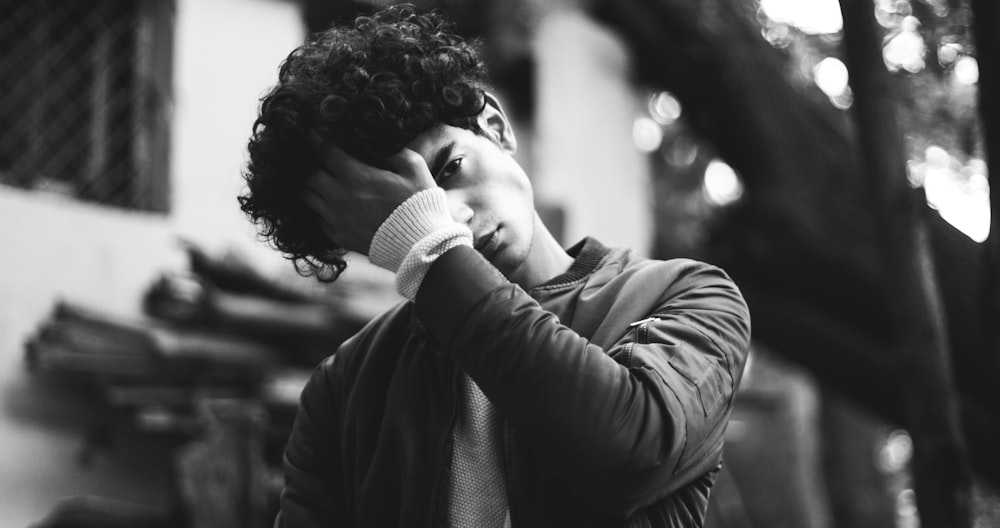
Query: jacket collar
[[587, 255]]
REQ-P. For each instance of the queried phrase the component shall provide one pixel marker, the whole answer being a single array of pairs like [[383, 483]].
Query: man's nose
[[459, 208]]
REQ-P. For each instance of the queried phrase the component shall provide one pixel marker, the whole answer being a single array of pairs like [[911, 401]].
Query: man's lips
[[487, 244]]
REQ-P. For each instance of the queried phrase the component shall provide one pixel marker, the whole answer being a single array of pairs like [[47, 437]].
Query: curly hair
[[369, 88]]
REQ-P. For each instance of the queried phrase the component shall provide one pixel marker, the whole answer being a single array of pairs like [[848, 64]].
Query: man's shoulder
[[626, 288], [624, 269], [385, 331]]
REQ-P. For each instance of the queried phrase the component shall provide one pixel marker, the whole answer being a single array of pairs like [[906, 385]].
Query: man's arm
[[314, 485], [623, 427]]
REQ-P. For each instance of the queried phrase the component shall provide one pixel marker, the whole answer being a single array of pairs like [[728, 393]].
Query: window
[[85, 99]]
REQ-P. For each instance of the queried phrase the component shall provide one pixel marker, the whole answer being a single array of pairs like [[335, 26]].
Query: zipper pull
[[643, 321]]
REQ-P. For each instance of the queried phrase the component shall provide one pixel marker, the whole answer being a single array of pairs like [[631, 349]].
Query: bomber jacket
[[615, 381]]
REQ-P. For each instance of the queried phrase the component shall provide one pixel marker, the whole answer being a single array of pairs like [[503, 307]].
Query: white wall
[[56, 248], [227, 53], [585, 158]]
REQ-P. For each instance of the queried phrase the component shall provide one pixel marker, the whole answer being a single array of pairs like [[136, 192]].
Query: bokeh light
[[721, 184], [966, 71], [831, 76], [810, 16], [891, 13], [907, 515], [958, 190], [896, 453], [646, 134], [906, 50], [948, 53], [664, 108], [683, 151]]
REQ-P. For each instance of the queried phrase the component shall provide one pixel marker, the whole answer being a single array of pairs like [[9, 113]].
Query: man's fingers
[[325, 184], [315, 200], [409, 164], [341, 165], [405, 161], [349, 170], [333, 157], [351, 199], [319, 205]]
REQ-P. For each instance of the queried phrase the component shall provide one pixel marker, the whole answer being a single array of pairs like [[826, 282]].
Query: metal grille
[[85, 93]]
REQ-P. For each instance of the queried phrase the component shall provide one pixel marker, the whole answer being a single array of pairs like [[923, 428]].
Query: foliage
[[928, 47]]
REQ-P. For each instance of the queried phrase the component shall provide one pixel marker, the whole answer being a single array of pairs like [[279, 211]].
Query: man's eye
[[450, 169]]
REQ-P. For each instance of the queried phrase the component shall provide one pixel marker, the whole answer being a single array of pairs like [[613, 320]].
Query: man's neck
[[546, 259]]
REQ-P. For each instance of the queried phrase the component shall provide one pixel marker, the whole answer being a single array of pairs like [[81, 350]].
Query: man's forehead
[[430, 142]]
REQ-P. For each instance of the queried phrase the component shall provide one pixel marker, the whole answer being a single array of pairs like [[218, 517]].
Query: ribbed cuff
[[416, 263], [420, 215], [415, 234]]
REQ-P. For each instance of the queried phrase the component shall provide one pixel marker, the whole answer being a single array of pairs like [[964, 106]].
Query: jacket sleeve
[[313, 496], [622, 427]]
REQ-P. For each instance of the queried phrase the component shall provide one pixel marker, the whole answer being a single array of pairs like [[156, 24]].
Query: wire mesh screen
[[85, 90]]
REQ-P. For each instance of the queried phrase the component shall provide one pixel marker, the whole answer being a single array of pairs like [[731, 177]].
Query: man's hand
[[351, 199]]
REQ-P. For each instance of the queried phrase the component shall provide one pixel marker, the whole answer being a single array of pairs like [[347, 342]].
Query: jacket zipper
[[641, 336], [508, 466], [439, 470], [642, 329]]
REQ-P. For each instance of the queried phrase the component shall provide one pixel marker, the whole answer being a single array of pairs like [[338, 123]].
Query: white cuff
[[420, 215], [424, 253], [415, 234]]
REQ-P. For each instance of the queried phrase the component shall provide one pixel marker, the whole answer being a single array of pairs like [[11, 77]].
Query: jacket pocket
[[705, 374], [701, 370]]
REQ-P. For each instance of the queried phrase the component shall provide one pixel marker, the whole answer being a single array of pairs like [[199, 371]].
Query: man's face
[[487, 189]]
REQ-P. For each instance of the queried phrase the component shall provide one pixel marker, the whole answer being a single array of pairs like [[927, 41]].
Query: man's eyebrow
[[441, 157]]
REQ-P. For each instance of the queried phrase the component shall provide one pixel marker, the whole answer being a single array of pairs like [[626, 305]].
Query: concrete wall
[[56, 248], [585, 158], [226, 54]]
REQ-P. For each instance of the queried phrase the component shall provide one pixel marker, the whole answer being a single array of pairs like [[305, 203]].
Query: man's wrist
[[414, 235], [424, 253], [420, 215]]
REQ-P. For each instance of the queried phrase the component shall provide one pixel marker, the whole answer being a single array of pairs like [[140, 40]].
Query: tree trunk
[[920, 343], [986, 30], [801, 243]]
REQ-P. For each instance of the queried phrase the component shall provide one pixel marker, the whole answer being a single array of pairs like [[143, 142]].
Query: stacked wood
[[217, 362], [221, 328], [91, 345], [306, 320], [224, 479]]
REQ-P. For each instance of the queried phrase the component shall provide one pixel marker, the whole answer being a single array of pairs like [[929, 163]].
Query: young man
[[521, 384]]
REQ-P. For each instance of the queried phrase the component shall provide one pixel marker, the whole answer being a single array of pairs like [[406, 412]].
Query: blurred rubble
[[216, 363]]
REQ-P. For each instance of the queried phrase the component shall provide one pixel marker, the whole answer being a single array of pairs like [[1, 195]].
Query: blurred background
[[152, 350]]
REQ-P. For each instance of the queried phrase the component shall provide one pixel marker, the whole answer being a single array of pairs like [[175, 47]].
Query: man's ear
[[494, 122]]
